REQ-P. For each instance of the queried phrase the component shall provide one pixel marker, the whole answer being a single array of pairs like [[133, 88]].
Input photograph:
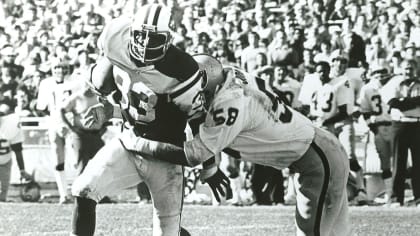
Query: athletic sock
[[84, 217]]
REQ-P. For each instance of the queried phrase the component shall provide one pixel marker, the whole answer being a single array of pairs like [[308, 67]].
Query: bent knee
[[83, 189]]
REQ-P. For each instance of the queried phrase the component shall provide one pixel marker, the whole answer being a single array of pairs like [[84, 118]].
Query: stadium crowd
[[297, 46]]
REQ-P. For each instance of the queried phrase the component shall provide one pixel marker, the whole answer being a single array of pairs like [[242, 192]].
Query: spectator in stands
[[395, 62], [279, 50], [262, 28], [415, 30], [8, 56], [325, 52], [353, 44], [339, 12], [308, 65], [24, 102], [410, 53], [249, 54], [375, 52], [362, 28]]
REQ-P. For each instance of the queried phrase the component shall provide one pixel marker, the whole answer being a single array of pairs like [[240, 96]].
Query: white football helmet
[[213, 76], [150, 33]]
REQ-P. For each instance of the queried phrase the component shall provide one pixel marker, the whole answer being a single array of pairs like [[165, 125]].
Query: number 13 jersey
[[248, 121]]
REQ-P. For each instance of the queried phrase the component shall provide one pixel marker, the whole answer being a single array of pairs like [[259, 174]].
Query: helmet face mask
[[150, 33]]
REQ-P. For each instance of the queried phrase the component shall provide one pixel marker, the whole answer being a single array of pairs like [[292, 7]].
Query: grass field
[[132, 219]]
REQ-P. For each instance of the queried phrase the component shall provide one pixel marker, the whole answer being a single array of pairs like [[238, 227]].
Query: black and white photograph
[[210, 117]]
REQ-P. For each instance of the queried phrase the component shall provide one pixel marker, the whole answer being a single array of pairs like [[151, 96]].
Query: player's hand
[[97, 115], [25, 175], [219, 184]]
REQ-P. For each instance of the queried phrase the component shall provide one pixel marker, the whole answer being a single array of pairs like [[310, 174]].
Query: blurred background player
[[158, 87], [403, 97], [376, 114], [11, 139], [87, 141], [53, 91]]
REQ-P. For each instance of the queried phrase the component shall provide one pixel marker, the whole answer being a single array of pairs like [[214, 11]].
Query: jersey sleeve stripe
[[188, 86]]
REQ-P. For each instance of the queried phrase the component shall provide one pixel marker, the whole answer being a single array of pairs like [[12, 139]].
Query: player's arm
[[340, 116], [102, 78], [17, 149], [16, 146], [222, 124], [404, 104], [43, 99]]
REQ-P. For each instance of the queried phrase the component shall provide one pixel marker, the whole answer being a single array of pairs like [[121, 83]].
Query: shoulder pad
[[177, 64]]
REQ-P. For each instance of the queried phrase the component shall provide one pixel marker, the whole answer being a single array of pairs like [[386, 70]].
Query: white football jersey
[[371, 101], [10, 133], [327, 99], [291, 89], [247, 121], [52, 96]]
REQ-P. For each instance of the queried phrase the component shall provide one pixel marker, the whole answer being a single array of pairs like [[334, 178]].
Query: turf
[[132, 219]]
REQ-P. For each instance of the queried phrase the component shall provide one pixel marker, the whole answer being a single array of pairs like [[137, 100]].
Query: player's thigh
[[110, 171], [5, 172], [328, 182], [309, 182], [335, 217], [165, 182]]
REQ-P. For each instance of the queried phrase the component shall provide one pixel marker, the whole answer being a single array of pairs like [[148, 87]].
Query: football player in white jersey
[[11, 139], [376, 114], [249, 122], [333, 101], [157, 87], [52, 93]]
